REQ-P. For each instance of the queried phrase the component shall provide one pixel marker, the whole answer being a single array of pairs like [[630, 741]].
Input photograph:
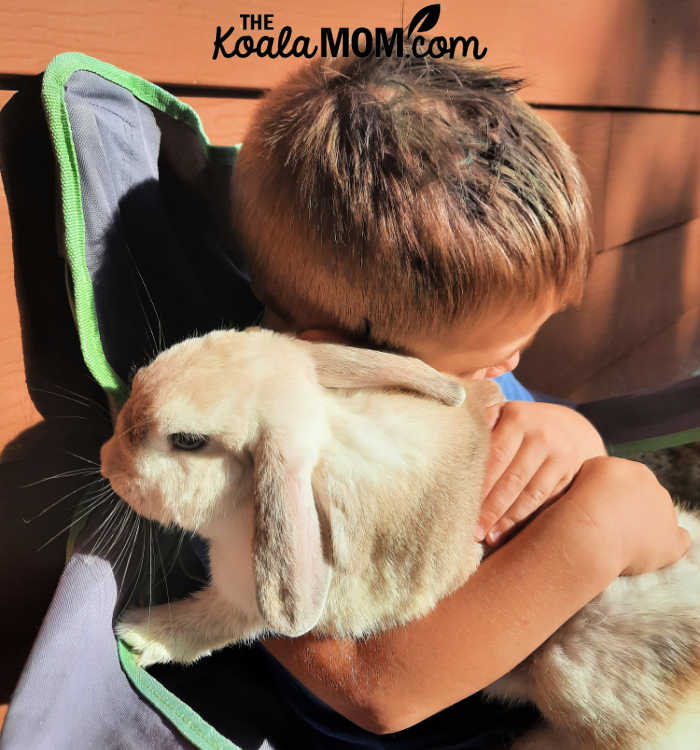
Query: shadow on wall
[[628, 334]]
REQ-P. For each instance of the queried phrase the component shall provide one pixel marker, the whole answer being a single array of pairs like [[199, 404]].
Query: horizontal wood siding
[[636, 293], [652, 180], [622, 53]]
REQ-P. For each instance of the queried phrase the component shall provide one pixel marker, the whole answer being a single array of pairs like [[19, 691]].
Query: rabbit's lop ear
[[340, 366], [292, 576]]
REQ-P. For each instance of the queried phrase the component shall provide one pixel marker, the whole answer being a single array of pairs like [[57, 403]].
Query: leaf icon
[[427, 18]]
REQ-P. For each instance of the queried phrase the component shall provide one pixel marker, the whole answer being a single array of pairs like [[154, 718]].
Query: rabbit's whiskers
[[98, 480], [159, 344], [61, 475], [76, 398], [89, 507], [103, 532], [83, 458]]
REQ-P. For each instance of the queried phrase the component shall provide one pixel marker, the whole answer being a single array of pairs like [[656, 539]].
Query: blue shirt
[[513, 389]]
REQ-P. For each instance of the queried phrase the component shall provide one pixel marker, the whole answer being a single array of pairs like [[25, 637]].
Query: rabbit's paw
[[151, 637]]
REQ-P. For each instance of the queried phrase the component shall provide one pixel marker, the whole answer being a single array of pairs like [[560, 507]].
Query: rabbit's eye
[[187, 441]]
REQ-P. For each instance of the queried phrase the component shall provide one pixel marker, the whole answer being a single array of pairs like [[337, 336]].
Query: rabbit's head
[[185, 442], [237, 417]]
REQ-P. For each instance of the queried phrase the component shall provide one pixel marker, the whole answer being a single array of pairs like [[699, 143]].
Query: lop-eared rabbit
[[339, 489]]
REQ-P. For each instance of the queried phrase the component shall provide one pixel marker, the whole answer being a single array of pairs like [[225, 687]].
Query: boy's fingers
[[505, 443], [493, 413], [526, 463], [536, 495], [681, 545]]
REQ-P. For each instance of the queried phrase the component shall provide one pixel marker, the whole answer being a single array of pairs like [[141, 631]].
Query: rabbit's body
[[383, 574], [354, 511], [380, 552], [381, 577], [624, 672]]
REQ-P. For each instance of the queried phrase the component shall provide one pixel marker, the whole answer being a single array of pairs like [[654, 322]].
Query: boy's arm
[[514, 601]]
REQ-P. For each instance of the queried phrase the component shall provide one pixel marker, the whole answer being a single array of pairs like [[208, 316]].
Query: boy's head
[[404, 201]]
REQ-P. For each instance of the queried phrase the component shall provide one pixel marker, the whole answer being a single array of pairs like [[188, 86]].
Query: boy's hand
[[633, 512], [536, 450]]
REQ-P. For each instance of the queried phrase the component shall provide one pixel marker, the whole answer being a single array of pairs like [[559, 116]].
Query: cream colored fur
[[334, 504], [624, 672]]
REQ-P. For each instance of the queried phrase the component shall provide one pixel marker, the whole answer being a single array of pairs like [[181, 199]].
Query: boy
[[418, 206]]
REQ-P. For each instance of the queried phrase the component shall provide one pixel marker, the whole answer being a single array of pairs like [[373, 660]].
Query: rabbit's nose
[[109, 458], [104, 458]]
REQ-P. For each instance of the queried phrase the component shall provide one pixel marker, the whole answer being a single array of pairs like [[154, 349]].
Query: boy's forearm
[[515, 600]]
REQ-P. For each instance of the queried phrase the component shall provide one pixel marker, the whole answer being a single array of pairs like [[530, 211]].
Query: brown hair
[[397, 195]]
